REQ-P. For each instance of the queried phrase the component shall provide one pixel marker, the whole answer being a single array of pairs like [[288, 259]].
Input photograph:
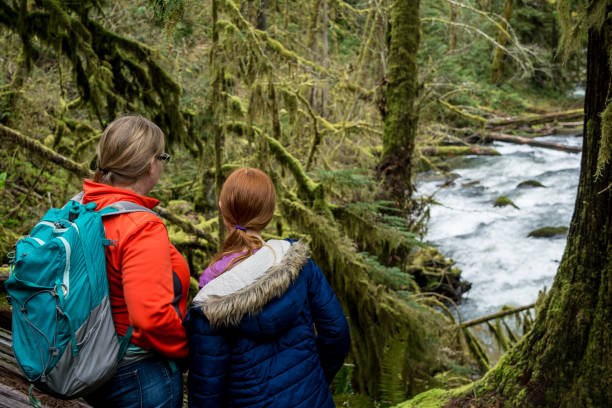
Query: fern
[[392, 382]]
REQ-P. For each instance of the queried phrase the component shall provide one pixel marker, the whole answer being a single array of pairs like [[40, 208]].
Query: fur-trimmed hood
[[248, 287]]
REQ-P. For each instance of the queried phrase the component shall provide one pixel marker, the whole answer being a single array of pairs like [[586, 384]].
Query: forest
[[361, 112]]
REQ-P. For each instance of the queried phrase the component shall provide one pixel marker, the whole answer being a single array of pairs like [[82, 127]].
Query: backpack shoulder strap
[[78, 198], [125, 207], [119, 207]]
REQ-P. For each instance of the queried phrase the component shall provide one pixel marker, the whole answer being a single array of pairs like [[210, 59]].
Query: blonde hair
[[126, 148]]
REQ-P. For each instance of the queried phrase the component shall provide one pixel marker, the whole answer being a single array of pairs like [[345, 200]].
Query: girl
[[148, 279], [252, 339]]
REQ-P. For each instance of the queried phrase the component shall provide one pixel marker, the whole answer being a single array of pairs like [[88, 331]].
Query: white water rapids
[[490, 244]]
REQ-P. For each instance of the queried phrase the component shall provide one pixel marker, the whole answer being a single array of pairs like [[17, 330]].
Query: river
[[490, 244]]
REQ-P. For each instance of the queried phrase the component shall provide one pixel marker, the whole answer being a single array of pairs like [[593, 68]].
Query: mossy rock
[[433, 272], [530, 184], [435, 398], [548, 232], [503, 201]]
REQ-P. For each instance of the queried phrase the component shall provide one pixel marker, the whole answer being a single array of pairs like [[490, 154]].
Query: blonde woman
[[148, 278]]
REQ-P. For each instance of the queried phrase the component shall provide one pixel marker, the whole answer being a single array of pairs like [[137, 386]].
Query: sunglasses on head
[[165, 157]]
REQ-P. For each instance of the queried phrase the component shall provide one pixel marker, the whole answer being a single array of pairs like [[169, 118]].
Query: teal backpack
[[64, 336]]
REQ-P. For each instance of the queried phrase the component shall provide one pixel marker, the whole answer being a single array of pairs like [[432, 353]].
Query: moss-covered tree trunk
[[497, 66], [565, 361], [401, 112], [452, 30]]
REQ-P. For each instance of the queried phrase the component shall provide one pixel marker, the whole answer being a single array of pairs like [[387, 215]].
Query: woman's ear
[[151, 163]]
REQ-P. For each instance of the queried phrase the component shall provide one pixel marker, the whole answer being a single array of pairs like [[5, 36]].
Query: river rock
[[503, 201], [530, 184], [548, 232]]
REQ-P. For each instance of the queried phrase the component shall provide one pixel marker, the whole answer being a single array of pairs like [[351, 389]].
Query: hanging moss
[[605, 146]]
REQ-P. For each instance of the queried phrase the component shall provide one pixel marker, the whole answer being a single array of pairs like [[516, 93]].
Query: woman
[[266, 329], [148, 278]]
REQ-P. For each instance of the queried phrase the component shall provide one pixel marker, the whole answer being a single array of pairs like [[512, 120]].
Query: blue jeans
[[148, 383]]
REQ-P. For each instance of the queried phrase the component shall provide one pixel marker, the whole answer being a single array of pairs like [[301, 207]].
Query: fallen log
[[547, 130], [14, 387], [537, 119], [502, 137], [497, 315], [578, 132], [450, 151], [571, 124]]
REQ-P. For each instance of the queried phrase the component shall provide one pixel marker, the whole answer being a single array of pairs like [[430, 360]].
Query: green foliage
[[392, 371], [341, 385], [344, 178]]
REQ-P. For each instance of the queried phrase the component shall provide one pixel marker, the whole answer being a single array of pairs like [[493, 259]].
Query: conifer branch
[[43, 151]]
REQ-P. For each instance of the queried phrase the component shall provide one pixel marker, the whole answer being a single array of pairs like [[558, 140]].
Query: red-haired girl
[[252, 332]]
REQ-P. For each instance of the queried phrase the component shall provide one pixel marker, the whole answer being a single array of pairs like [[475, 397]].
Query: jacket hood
[[248, 287]]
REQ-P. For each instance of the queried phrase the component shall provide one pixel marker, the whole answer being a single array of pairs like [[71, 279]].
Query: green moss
[[353, 401], [605, 148], [548, 232], [503, 201], [530, 183], [435, 398]]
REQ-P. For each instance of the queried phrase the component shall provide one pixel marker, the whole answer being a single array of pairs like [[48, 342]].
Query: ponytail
[[240, 239], [247, 202]]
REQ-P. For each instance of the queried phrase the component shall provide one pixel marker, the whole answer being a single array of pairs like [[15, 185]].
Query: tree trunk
[[566, 360], [497, 66], [262, 10], [401, 118], [452, 29]]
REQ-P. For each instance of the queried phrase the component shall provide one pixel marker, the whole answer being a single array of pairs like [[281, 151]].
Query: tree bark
[[401, 118], [566, 360]]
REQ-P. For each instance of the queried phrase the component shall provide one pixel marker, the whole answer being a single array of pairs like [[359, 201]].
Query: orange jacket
[[148, 278]]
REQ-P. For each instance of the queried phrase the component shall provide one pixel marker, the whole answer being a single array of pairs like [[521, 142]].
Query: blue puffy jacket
[[269, 332]]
